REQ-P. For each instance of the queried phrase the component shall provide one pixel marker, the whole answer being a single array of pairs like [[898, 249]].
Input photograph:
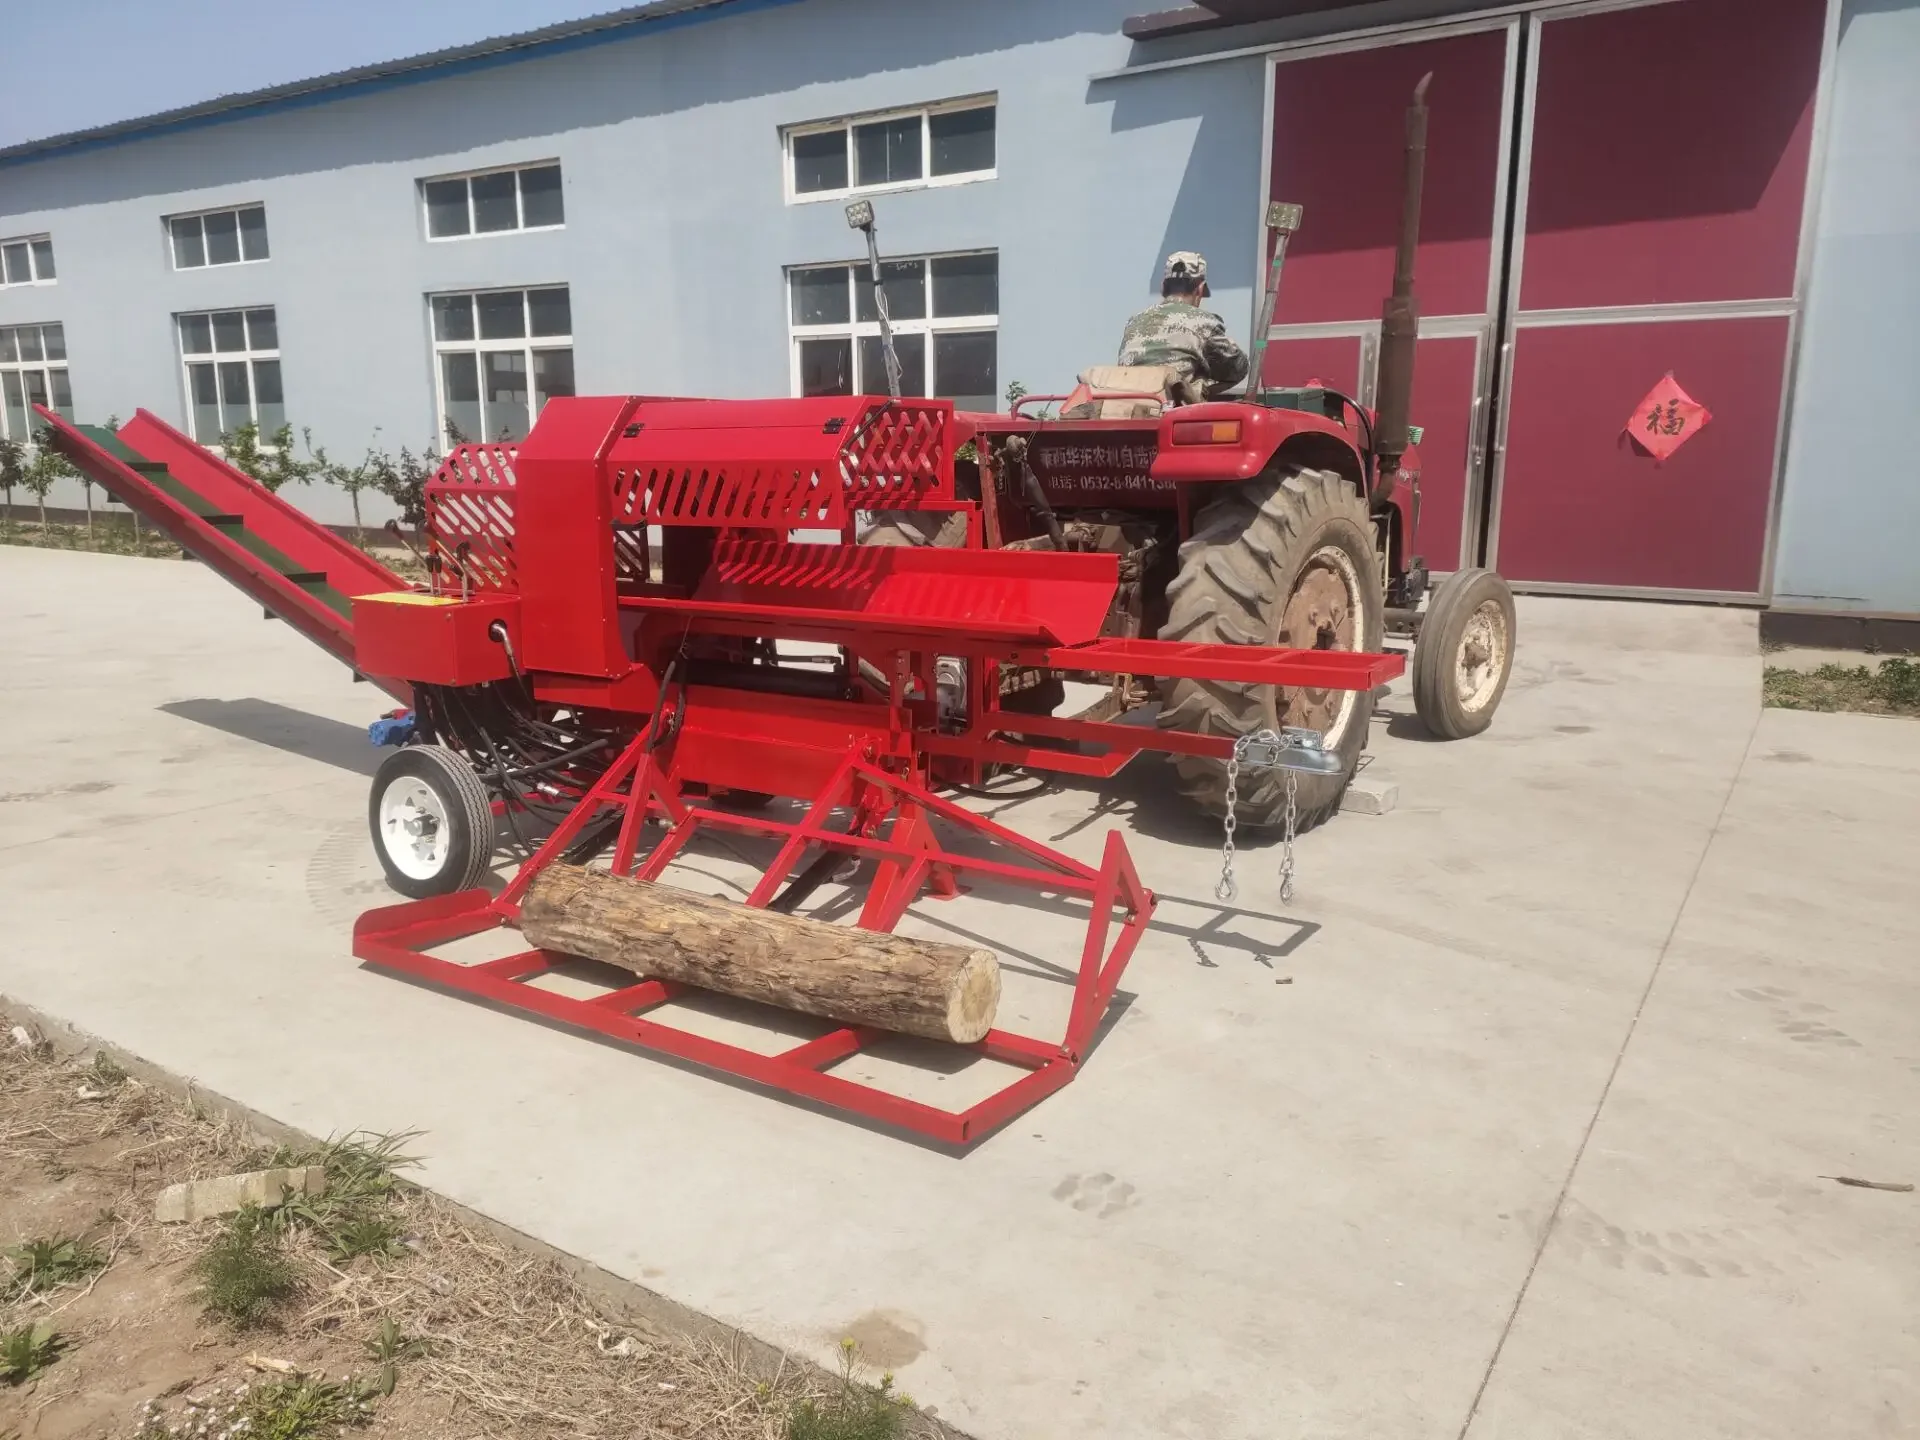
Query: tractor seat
[[1118, 392]]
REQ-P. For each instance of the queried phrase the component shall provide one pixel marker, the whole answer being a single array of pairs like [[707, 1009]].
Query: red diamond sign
[[1667, 419]]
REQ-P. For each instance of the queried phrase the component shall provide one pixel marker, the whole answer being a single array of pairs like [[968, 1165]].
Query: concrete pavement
[[1529, 1146]]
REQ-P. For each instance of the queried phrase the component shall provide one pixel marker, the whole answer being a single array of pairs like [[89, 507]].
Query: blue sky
[[71, 64]]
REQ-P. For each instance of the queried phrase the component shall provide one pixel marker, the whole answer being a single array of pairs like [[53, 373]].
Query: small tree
[[13, 471], [47, 466], [353, 479], [273, 463], [403, 480]]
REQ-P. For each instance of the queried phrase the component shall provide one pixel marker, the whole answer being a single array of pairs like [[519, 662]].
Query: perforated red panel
[[897, 460], [470, 502], [778, 464], [738, 494]]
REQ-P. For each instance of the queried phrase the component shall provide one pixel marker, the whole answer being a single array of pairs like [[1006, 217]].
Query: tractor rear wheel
[[432, 822], [1287, 558]]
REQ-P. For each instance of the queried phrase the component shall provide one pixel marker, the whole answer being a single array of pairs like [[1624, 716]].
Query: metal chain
[[1286, 848], [1226, 890], [1274, 746]]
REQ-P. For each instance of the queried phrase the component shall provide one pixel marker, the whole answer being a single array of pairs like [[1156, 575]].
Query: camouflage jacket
[[1191, 342]]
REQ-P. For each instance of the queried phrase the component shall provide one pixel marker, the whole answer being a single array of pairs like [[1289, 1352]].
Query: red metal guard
[[893, 824]]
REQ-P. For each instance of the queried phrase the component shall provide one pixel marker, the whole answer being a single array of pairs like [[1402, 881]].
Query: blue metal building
[[651, 202]]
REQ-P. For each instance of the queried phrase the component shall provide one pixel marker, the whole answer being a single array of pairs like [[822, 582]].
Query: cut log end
[[974, 997]]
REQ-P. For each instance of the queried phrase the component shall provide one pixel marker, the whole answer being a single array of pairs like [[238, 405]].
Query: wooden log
[[927, 988]]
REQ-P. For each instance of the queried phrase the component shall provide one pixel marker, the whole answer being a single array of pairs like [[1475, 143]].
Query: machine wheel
[[1464, 654], [432, 822], [1285, 559]]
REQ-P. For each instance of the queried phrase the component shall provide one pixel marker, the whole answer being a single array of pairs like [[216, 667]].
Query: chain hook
[[1226, 890], [1304, 750]]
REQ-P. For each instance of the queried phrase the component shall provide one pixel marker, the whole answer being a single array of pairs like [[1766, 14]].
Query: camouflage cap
[[1186, 265]]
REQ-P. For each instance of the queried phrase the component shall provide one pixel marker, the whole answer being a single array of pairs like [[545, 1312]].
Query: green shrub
[[244, 1275]]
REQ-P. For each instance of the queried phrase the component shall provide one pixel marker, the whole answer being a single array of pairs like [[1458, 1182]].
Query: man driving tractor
[[1192, 344]]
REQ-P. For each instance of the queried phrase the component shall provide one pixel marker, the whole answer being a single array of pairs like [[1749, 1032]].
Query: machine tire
[[1255, 551], [1464, 654], [431, 782], [945, 528]]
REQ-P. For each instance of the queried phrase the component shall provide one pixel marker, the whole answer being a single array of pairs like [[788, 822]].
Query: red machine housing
[[664, 674]]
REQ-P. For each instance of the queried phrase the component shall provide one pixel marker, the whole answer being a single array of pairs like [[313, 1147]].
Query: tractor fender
[[1231, 441], [1274, 438]]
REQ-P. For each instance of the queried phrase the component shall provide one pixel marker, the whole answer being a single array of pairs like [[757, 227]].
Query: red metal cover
[[470, 502], [778, 464], [432, 639]]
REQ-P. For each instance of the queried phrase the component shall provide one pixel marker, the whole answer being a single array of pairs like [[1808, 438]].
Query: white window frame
[[927, 180], [18, 368], [173, 255], [33, 262], [217, 358], [525, 344], [857, 329], [519, 202]]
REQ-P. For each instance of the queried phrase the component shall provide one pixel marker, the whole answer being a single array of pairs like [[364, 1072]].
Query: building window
[[33, 371], [231, 361], [218, 237], [499, 356], [527, 198], [26, 260], [934, 145], [945, 311]]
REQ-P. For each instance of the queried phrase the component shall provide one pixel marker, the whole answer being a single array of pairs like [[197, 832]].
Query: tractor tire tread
[[1245, 541]]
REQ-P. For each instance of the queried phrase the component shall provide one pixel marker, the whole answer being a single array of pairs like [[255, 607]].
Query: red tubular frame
[[641, 784], [591, 631]]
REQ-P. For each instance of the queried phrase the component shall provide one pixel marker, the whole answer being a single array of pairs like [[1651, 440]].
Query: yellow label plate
[[408, 597]]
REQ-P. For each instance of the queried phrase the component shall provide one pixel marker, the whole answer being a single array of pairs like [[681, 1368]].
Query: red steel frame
[[593, 630], [911, 859]]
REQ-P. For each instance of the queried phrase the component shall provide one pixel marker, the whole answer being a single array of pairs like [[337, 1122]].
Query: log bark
[[927, 988]]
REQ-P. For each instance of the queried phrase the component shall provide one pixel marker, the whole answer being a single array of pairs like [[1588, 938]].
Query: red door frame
[[1451, 325], [1485, 459]]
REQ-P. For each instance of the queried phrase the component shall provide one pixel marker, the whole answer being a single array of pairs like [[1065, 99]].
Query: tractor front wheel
[[1464, 654], [1287, 559]]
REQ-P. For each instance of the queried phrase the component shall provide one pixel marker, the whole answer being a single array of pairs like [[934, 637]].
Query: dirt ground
[[513, 1345]]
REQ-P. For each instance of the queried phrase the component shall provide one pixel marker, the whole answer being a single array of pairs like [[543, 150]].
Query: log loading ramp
[[295, 567]]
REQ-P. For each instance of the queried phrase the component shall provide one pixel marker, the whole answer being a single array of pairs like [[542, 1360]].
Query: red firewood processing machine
[[626, 646]]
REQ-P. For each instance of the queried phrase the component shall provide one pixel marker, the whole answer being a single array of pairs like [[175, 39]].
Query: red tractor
[[1289, 517]]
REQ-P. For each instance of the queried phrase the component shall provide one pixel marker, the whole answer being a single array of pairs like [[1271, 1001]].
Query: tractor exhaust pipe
[[1400, 317]]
